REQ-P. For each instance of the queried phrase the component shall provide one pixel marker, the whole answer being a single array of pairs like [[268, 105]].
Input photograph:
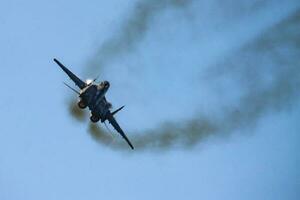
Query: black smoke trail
[[244, 66], [257, 102]]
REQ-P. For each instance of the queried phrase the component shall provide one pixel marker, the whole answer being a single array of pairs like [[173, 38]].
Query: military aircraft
[[93, 96]]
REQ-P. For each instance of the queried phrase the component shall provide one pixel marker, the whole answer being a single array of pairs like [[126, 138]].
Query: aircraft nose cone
[[106, 84]]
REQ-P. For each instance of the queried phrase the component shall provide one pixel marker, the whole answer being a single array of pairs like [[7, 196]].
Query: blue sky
[[203, 61]]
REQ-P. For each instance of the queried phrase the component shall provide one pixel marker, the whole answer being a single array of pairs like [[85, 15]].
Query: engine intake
[[94, 118], [81, 104]]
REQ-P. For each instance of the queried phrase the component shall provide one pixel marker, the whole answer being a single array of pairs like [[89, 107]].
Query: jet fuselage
[[92, 96]]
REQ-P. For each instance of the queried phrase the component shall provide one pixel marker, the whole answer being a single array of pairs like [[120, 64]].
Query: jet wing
[[115, 124], [81, 84]]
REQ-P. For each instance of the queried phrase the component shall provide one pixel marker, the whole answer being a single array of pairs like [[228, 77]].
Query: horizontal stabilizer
[[115, 112]]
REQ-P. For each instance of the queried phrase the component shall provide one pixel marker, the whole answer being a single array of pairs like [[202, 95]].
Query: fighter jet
[[92, 95]]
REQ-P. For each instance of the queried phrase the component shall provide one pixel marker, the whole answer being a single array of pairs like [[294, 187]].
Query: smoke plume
[[76, 112], [131, 31], [266, 70], [257, 102]]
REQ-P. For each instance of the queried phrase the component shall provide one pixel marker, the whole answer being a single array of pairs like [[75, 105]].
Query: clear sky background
[[210, 88]]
